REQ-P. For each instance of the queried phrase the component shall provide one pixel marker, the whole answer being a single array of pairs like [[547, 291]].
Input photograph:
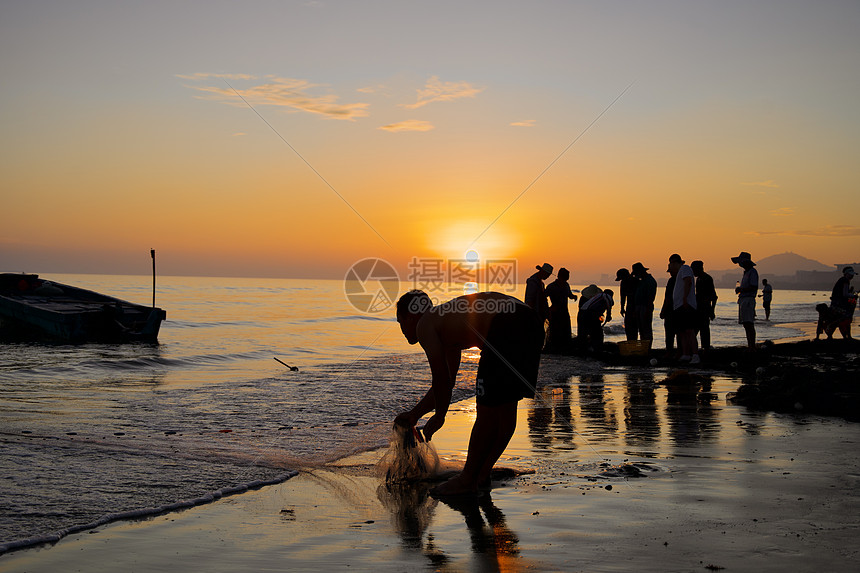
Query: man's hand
[[433, 425], [406, 419]]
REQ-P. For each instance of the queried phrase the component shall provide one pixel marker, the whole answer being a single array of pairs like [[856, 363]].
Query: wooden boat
[[35, 309]]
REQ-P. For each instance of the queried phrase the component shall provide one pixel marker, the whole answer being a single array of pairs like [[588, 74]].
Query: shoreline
[[353, 480], [141, 514], [580, 510]]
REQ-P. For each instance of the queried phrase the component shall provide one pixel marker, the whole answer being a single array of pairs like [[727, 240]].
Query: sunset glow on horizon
[[293, 139]]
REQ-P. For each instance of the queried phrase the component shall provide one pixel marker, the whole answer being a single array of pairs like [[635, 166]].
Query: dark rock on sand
[[817, 377], [811, 376]]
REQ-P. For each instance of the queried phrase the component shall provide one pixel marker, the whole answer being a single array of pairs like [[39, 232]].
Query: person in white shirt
[[684, 308]]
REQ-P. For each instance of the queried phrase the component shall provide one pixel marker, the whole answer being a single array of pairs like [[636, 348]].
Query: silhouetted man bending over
[[509, 334]]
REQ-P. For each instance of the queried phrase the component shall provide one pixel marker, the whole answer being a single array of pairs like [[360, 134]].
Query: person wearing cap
[[643, 300], [559, 293], [536, 292], [706, 303], [843, 299], [627, 290], [684, 308], [746, 291]]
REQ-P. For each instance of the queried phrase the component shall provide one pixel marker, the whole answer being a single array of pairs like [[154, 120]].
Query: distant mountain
[[786, 264], [783, 264], [783, 268]]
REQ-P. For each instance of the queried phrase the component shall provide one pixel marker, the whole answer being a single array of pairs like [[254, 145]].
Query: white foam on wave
[[144, 512]]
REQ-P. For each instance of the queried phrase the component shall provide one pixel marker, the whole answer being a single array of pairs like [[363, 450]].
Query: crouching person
[[510, 336]]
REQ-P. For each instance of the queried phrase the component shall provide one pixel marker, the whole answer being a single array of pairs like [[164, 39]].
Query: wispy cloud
[[524, 123], [408, 125], [206, 76], [377, 89], [435, 90], [782, 212], [827, 231], [770, 184], [276, 91]]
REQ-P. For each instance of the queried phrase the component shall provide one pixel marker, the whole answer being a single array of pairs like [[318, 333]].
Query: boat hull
[[31, 308]]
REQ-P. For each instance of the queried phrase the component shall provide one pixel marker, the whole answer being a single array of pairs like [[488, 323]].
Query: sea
[[95, 432]]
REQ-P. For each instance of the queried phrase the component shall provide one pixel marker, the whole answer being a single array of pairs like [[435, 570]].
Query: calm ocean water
[[95, 430]]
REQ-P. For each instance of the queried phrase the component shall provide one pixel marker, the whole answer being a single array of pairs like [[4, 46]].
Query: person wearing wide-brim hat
[[746, 291], [536, 292]]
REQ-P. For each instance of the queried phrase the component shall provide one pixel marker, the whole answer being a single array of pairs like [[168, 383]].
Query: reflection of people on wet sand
[[493, 543], [559, 293], [642, 424], [746, 292], [510, 337], [766, 297], [550, 418], [843, 300], [411, 510]]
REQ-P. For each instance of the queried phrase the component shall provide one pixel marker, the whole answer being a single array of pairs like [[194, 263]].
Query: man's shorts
[[685, 318], [508, 368], [746, 309]]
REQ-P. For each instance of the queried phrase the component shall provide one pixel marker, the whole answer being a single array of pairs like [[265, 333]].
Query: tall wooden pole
[[152, 254]]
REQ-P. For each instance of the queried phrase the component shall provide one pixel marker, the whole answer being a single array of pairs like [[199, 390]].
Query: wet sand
[[629, 474]]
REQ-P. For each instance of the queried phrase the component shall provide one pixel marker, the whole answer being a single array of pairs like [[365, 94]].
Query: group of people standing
[[511, 336], [550, 303], [689, 306]]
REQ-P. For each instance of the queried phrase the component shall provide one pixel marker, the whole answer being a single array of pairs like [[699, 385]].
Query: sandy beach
[[629, 474]]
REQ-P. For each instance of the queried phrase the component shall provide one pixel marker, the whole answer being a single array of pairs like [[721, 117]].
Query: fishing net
[[407, 459]]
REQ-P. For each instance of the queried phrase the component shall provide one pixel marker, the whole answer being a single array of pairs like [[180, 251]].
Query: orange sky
[[417, 127]]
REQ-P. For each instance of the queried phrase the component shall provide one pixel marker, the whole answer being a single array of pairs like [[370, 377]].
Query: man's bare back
[[463, 322]]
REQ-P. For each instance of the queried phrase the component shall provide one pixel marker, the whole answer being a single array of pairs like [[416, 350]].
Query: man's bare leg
[[505, 429], [749, 327], [493, 429]]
